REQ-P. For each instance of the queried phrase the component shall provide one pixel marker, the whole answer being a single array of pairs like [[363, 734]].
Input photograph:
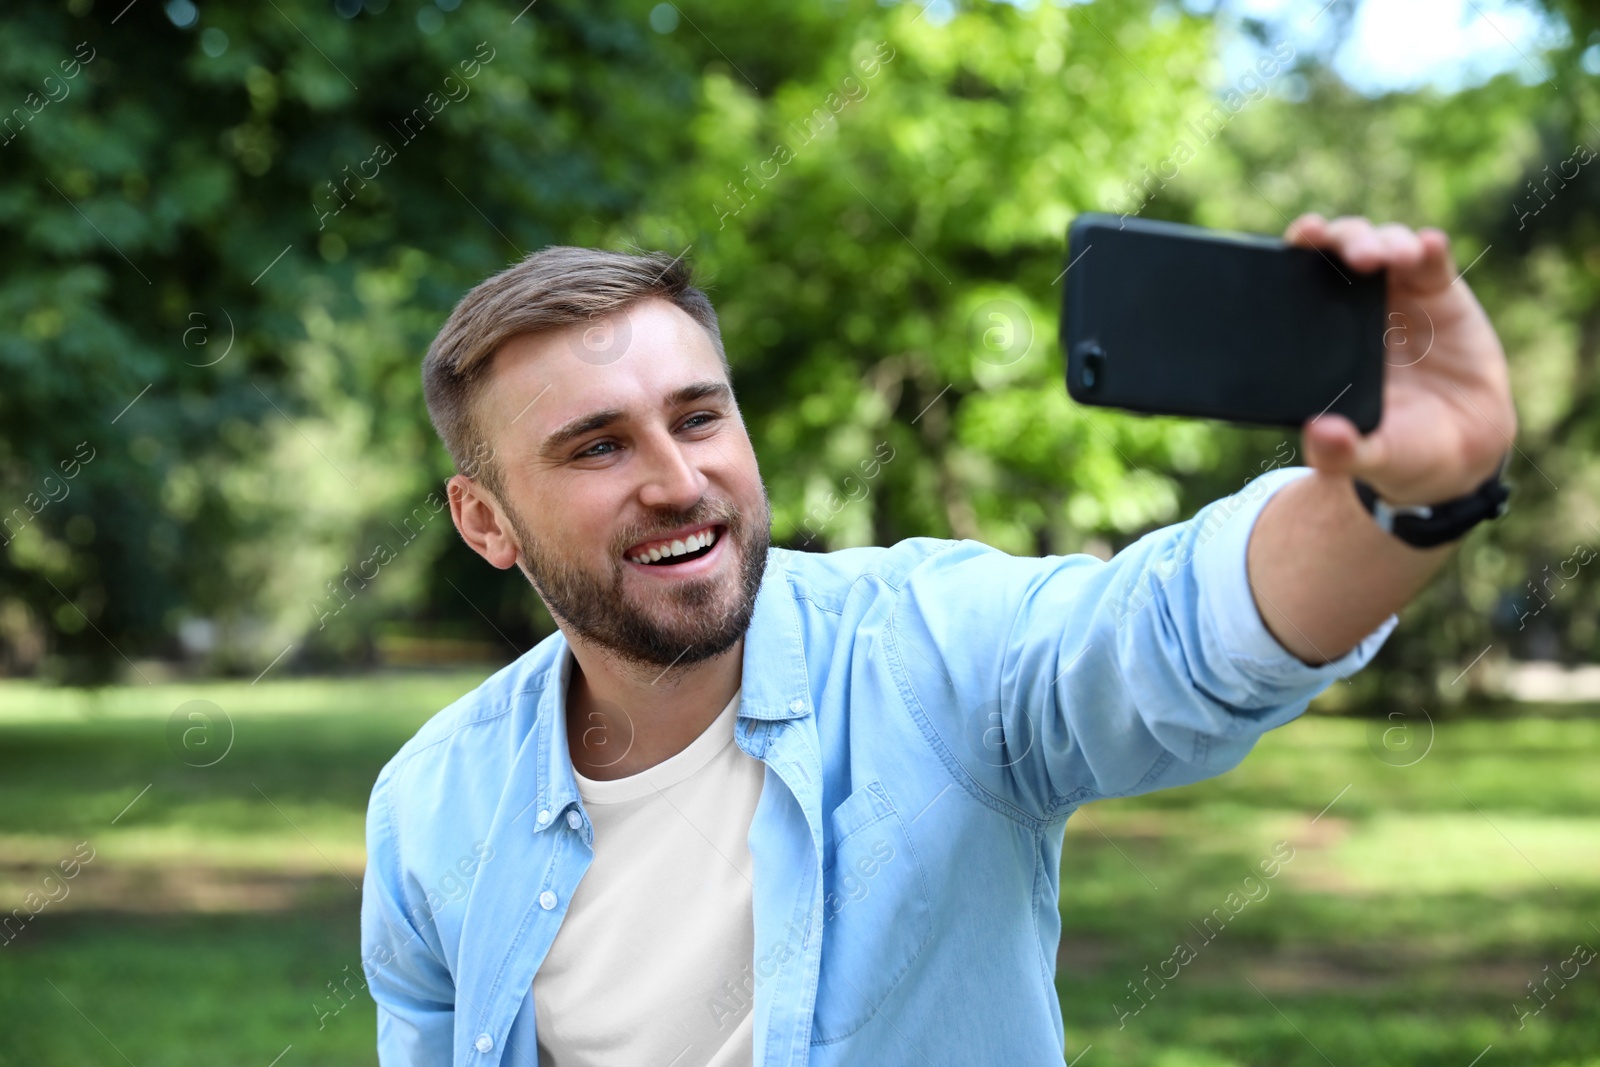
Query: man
[[755, 805]]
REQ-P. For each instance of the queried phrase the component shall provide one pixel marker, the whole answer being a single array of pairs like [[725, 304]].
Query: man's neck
[[623, 718]]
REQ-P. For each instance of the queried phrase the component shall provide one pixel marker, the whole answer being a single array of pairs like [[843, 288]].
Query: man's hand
[[1447, 414], [1323, 574]]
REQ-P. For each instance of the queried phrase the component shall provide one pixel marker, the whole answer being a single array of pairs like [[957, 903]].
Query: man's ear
[[481, 523]]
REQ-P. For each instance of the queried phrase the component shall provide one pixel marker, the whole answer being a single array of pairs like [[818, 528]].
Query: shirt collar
[[773, 686]]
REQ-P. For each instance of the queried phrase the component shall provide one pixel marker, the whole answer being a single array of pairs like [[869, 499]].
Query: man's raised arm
[[1322, 572]]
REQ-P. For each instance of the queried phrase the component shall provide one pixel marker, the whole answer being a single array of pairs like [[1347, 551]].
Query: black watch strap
[[1424, 526]]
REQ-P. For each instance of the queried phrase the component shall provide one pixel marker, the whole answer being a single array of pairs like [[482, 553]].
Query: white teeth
[[693, 543]]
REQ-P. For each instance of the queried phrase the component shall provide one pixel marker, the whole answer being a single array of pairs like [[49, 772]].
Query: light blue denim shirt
[[929, 714]]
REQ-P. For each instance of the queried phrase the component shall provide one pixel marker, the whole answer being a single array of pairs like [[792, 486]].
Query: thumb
[[1333, 445]]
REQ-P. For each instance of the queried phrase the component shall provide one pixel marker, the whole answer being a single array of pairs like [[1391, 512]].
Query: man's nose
[[673, 479]]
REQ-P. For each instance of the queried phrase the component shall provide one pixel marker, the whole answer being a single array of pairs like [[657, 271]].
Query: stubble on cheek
[[682, 622]]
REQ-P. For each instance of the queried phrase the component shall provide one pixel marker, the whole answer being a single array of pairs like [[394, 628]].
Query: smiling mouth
[[671, 552]]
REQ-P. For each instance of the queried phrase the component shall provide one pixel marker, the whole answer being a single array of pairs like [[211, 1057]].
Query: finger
[[1402, 247], [1306, 230], [1333, 445], [1435, 268], [1356, 241], [1420, 260]]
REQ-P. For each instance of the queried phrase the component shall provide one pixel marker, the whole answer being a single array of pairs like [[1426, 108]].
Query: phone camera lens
[[1091, 364]]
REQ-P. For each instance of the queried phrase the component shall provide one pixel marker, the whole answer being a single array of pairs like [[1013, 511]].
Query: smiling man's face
[[629, 488]]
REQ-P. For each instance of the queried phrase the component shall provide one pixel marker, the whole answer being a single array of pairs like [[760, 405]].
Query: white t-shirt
[[653, 964]]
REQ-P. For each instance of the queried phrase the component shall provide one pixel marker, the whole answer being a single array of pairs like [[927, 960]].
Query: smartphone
[[1165, 319]]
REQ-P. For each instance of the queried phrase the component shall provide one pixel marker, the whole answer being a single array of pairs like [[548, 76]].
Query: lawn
[[212, 915]]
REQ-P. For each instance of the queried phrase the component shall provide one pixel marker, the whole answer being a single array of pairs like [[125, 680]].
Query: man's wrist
[[1274, 651], [1323, 575], [1430, 525]]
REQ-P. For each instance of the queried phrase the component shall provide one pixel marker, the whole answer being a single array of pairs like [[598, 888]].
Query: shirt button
[[796, 704], [574, 820], [484, 1043], [547, 900], [544, 817]]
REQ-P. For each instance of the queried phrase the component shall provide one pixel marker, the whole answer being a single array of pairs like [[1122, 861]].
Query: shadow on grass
[[74, 778], [1178, 951]]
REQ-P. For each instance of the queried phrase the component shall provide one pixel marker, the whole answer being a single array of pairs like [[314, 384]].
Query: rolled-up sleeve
[[1231, 631], [1055, 681]]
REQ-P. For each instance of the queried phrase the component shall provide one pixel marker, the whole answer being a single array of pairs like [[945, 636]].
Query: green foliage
[[217, 240], [866, 273], [876, 196]]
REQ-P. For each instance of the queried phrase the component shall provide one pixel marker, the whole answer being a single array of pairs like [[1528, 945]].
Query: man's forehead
[[541, 381]]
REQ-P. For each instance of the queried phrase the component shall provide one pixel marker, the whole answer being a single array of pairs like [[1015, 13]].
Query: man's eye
[[606, 447]]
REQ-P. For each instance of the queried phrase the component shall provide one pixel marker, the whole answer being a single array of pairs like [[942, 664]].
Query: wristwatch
[[1427, 525]]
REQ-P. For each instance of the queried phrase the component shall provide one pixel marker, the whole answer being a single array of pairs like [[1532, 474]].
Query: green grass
[[1402, 932], [220, 906]]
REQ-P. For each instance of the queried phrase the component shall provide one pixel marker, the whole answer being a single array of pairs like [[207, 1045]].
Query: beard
[[693, 620]]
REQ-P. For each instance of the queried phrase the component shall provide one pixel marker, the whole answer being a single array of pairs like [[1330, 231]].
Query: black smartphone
[[1165, 319]]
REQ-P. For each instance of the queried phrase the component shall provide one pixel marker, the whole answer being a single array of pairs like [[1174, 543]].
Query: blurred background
[[227, 594]]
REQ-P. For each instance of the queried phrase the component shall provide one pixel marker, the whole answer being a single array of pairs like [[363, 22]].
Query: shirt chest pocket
[[875, 911]]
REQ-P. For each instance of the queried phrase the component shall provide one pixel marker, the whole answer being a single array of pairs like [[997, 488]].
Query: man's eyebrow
[[599, 420]]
